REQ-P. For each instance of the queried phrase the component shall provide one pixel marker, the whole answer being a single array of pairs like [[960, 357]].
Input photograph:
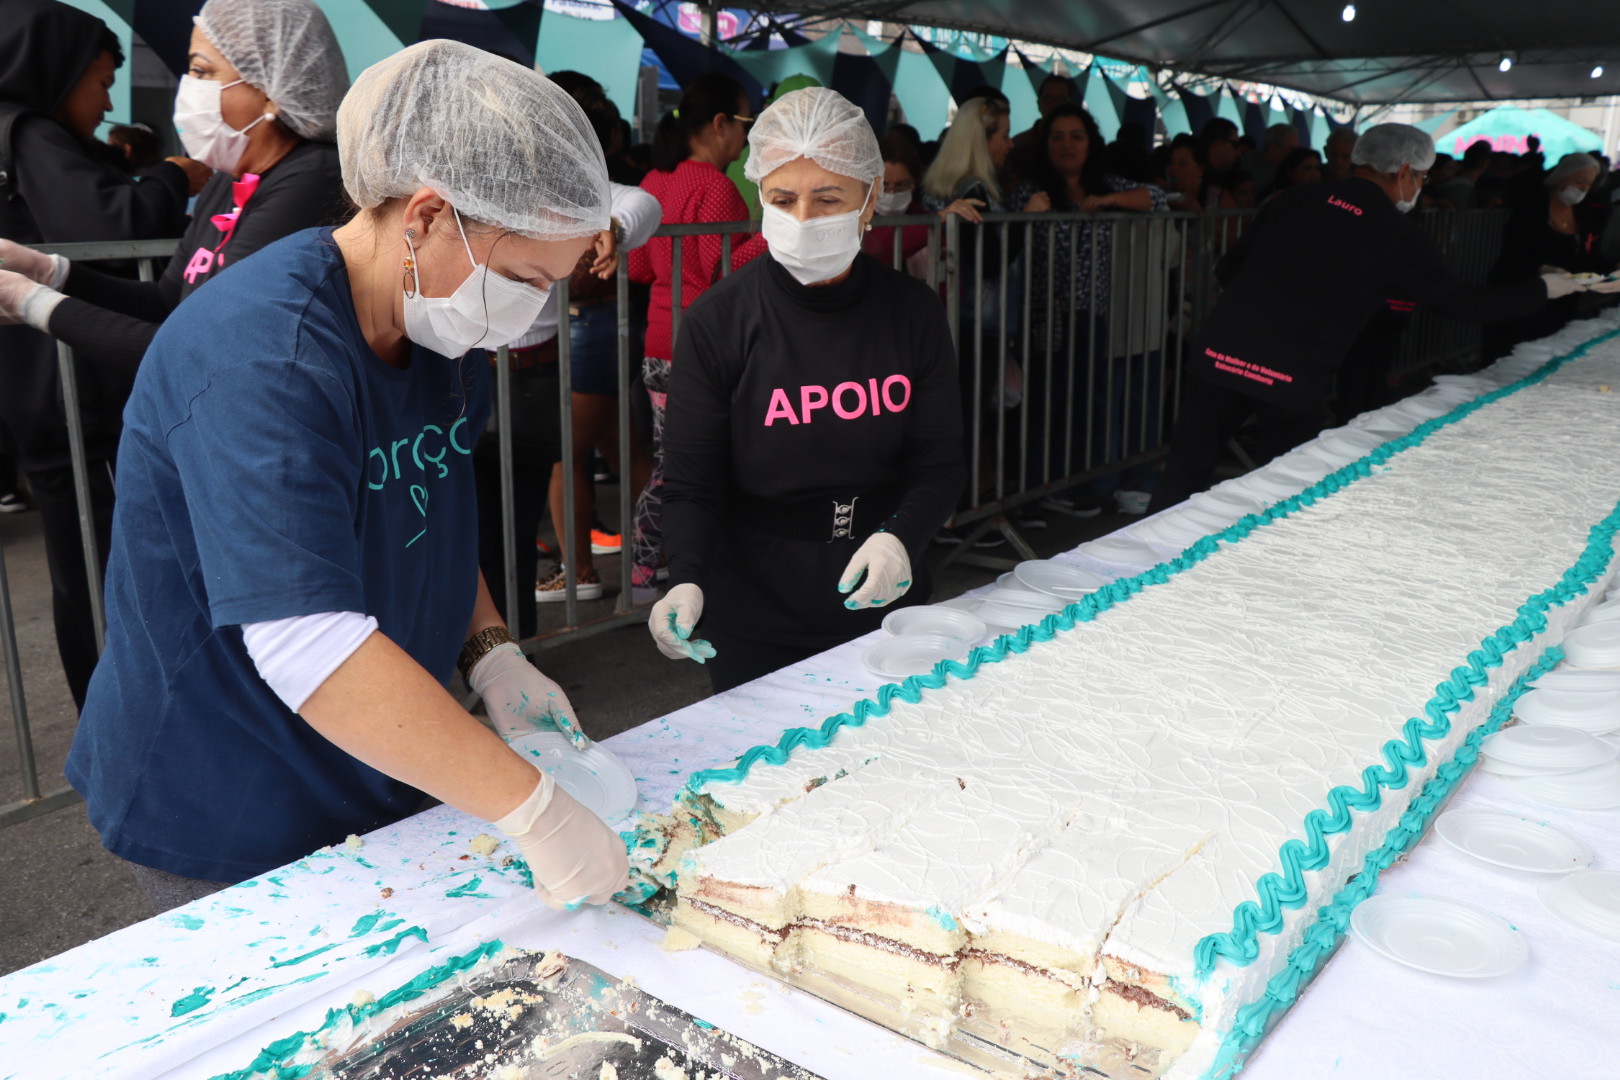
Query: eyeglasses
[[742, 119]]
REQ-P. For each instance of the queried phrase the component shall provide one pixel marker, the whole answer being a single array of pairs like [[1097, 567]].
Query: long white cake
[[1129, 836]]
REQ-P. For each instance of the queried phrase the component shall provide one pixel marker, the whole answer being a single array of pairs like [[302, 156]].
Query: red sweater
[[695, 192]]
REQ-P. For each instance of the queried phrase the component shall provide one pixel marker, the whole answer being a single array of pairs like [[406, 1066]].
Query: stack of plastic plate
[[912, 654], [1594, 647], [1589, 899], [1513, 842], [1585, 681], [1439, 935], [1350, 443], [948, 622], [1608, 611], [1596, 712], [1558, 766], [1420, 408], [1384, 422], [1227, 503], [1475, 384], [1173, 530]]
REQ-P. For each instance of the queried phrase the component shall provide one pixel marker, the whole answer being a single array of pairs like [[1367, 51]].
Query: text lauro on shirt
[[846, 401]]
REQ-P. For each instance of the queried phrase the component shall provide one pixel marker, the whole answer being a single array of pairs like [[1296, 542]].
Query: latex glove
[[37, 266], [575, 858], [887, 567], [519, 700], [24, 300], [1560, 283], [672, 621], [1605, 286]]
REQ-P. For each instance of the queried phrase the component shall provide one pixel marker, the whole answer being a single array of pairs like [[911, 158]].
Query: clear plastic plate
[[1352, 442], [1229, 504], [1596, 712], [1120, 550], [914, 654], [594, 776], [1597, 788], [1589, 899], [1057, 579], [931, 619], [1439, 935], [1517, 843], [1550, 748], [1596, 646]]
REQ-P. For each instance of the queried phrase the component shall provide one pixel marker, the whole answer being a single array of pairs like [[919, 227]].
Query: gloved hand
[[887, 567], [1605, 286], [34, 265], [672, 621], [573, 856], [23, 300], [519, 700], [1559, 283]]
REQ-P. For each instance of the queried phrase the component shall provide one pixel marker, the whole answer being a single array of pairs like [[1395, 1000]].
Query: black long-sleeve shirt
[[66, 193], [1317, 264], [788, 393], [110, 320]]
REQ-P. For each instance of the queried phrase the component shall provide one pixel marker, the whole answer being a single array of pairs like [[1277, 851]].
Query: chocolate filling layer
[[875, 941], [1145, 998], [734, 919], [987, 957]]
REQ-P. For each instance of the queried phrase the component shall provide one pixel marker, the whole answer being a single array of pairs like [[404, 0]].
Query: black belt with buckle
[[830, 520]]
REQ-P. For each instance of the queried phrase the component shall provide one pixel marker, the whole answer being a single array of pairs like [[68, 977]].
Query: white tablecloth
[[197, 992]]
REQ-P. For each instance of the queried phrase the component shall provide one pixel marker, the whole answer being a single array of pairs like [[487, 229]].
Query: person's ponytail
[[710, 94]]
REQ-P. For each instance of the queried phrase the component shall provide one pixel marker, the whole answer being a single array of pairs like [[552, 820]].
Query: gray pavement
[[60, 888]]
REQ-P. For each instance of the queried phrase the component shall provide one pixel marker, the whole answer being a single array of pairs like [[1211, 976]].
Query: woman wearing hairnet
[[258, 104], [813, 442], [294, 568]]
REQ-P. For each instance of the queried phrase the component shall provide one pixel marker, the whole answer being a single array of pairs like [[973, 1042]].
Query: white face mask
[[813, 250], [1571, 196], [202, 127], [893, 202], [485, 310]]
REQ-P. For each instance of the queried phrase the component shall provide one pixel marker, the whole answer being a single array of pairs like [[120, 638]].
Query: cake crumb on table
[[483, 844], [362, 998], [353, 842], [679, 939]]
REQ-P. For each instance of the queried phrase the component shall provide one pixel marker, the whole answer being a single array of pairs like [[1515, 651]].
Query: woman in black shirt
[[813, 437]]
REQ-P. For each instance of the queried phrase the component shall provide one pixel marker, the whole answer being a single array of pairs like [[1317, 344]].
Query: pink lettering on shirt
[[839, 395], [202, 261], [811, 398], [1258, 372], [780, 408], [847, 400], [1334, 200]]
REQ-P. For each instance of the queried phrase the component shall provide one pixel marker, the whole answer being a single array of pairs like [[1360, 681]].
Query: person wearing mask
[[294, 573], [814, 440], [1074, 177], [1336, 153], [902, 191], [694, 144], [1302, 166], [1287, 316], [1556, 228], [58, 185]]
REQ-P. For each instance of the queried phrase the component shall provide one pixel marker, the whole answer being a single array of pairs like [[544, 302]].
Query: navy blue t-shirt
[[272, 465]]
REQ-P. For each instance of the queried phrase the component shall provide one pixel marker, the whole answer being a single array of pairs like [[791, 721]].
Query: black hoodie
[[60, 191]]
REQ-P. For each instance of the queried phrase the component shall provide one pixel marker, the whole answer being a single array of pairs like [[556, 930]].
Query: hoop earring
[[410, 279]]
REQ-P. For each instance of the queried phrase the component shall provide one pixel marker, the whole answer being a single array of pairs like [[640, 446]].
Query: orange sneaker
[[604, 543]]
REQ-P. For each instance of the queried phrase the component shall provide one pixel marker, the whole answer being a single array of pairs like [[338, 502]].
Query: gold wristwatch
[[477, 646]]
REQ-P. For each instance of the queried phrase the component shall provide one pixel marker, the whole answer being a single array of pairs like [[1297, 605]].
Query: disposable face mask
[[813, 250], [895, 202], [202, 127], [1405, 206], [1571, 196], [485, 310]]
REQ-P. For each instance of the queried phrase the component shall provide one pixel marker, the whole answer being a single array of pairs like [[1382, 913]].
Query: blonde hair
[[964, 153]]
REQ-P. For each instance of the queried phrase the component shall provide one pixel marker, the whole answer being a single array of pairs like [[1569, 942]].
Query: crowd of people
[[309, 488]]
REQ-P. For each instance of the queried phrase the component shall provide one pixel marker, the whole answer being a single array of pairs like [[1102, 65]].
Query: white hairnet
[[287, 49], [816, 123], [1569, 165], [502, 143], [1386, 147]]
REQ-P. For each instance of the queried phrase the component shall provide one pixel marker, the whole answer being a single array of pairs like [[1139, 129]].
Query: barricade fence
[[1070, 331]]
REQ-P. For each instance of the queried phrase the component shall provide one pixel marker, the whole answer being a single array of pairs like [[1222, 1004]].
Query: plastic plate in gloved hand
[[1439, 935], [914, 654], [594, 776]]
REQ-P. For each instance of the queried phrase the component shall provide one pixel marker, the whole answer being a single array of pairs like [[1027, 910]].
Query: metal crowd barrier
[[1098, 356]]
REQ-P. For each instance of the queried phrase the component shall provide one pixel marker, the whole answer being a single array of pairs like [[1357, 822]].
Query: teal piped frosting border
[[1254, 1020], [275, 1060], [1117, 592]]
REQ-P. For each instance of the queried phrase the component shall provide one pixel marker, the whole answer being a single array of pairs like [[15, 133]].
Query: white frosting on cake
[[1128, 782]]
